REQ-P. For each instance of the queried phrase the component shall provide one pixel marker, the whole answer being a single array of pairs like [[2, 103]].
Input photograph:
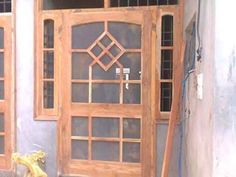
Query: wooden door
[[6, 92], [105, 124]]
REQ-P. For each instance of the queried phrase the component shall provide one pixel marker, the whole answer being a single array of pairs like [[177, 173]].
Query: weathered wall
[[197, 121], [225, 90], [31, 135]]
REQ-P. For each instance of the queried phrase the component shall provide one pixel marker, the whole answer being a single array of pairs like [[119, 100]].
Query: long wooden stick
[[173, 117]]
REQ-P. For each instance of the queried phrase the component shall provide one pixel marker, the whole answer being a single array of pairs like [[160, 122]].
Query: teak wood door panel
[[6, 92], [106, 124]]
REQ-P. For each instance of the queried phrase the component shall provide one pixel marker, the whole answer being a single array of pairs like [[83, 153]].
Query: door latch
[[126, 73]]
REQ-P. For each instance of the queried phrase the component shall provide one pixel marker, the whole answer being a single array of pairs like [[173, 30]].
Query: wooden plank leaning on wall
[[173, 117]]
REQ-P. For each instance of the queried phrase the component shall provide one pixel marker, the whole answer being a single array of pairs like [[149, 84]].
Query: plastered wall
[[225, 90], [197, 117], [31, 135]]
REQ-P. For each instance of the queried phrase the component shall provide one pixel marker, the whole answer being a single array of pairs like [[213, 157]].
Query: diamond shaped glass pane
[[106, 41], [96, 50], [105, 59], [115, 50]]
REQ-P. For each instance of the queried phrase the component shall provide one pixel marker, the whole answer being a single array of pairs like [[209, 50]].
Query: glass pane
[[48, 94], [131, 152], [1, 64], [79, 149], [123, 3], [2, 145], [79, 126], [131, 128], [2, 8], [132, 93], [105, 41], [167, 2], [48, 33], [8, 7], [105, 127], [115, 3], [166, 96], [143, 2], [105, 93], [127, 34], [167, 30], [114, 50], [48, 66], [79, 93], [152, 2], [133, 2], [5, 6], [100, 74], [1, 90], [1, 122], [71, 4], [96, 50], [126, 3], [132, 61], [105, 151], [84, 35], [1, 38], [166, 64], [80, 65], [105, 59]]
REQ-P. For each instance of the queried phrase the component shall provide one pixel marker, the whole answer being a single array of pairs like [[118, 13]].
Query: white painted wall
[[198, 120], [225, 90], [31, 135]]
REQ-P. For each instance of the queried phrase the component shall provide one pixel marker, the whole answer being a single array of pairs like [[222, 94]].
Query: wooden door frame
[[148, 157], [157, 12], [7, 105]]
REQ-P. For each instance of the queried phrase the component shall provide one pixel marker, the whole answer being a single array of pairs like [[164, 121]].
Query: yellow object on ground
[[32, 162]]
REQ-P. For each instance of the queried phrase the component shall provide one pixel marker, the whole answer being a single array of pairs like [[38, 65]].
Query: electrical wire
[[189, 68], [199, 49]]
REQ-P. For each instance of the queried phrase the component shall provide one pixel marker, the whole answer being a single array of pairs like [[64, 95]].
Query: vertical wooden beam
[[154, 76], [173, 117], [107, 3], [148, 131]]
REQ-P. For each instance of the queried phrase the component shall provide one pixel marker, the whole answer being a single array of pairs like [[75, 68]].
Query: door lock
[[126, 73]]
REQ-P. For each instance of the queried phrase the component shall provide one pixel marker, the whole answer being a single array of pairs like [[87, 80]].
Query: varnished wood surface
[[7, 106], [149, 111], [173, 119]]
